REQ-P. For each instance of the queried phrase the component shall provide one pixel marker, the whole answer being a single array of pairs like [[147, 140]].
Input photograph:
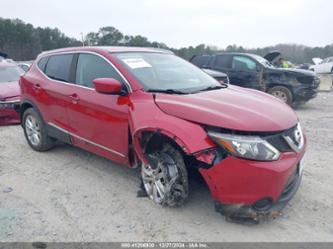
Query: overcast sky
[[186, 22]]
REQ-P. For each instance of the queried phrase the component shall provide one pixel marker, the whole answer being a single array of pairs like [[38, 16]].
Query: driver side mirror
[[108, 86], [258, 68]]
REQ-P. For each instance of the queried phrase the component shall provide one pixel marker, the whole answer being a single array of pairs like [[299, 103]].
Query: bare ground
[[68, 194]]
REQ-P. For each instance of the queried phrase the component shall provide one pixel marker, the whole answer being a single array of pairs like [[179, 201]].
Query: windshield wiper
[[170, 91], [209, 88]]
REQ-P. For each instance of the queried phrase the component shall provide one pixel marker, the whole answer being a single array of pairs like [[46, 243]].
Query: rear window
[[42, 63], [58, 67], [201, 60], [223, 61]]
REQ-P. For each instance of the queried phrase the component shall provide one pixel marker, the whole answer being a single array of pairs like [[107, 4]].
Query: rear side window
[[223, 61], [42, 63], [201, 60], [58, 67], [90, 67]]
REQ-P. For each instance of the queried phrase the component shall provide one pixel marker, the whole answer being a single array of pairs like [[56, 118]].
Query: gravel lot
[[68, 194]]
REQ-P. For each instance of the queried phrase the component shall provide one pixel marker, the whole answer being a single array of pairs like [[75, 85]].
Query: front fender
[[144, 115]]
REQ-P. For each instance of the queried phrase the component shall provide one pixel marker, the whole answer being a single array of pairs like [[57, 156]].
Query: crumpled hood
[[9, 90], [299, 71], [233, 108], [295, 71]]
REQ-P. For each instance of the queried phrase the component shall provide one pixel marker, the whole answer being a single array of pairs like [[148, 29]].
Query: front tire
[[35, 131], [165, 179], [282, 93]]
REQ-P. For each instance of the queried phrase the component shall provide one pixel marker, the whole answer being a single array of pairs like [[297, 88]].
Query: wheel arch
[[26, 104], [144, 139]]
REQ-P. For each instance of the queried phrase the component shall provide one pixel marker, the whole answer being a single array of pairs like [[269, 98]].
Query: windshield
[[166, 73], [10, 73], [262, 61]]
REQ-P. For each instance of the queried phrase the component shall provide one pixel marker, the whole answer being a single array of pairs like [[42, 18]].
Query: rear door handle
[[75, 98], [37, 87]]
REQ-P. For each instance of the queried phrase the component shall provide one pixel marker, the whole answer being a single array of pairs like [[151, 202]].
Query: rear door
[[98, 122], [222, 63], [53, 94]]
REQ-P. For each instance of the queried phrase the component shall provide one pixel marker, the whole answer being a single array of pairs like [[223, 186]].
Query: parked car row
[[292, 86], [9, 93], [146, 108]]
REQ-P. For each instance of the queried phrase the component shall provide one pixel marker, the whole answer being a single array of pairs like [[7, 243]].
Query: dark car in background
[[293, 86], [219, 76]]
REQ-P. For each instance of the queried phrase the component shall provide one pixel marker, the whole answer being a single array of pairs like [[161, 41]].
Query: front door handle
[[75, 98]]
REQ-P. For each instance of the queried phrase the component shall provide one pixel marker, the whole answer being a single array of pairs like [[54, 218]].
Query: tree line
[[23, 41]]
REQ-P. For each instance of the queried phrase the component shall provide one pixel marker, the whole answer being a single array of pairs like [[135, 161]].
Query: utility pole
[[82, 39]]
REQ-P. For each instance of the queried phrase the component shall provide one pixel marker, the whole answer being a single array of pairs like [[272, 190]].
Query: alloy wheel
[[280, 95], [32, 128]]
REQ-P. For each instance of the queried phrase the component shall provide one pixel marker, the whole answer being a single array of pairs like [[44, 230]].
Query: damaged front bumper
[[302, 94], [9, 112], [263, 209], [248, 191]]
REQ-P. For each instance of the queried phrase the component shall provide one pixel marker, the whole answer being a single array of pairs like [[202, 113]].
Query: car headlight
[[249, 147]]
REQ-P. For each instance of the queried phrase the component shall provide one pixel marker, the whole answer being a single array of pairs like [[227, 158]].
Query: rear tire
[[282, 93], [35, 131], [165, 179]]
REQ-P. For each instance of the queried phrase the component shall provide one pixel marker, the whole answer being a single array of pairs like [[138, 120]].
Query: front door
[[98, 122], [244, 72]]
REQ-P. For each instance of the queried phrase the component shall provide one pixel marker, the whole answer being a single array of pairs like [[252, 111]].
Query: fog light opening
[[263, 204]]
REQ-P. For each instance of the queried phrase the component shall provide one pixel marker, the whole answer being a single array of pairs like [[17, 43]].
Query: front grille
[[278, 140], [305, 79], [311, 81], [316, 82]]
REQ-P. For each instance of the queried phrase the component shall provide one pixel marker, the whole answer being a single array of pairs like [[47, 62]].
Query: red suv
[[148, 108]]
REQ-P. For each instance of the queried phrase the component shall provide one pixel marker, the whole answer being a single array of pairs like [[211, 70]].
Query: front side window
[[90, 67], [10, 73], [166, 72], [58, 67], [243, 63]]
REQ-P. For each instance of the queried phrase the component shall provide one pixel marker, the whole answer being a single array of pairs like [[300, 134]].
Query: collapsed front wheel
[[165, 178]]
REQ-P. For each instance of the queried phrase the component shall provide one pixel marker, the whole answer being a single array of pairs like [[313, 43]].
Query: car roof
[[109, 49], [235, 53], [227, 53]]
